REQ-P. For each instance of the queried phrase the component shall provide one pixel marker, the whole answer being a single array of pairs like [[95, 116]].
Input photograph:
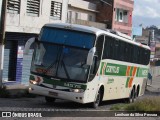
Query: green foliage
[[3, 92], [118, 107], [147, 104]]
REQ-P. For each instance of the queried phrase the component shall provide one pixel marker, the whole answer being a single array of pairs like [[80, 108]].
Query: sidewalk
[[154, 88], [17, 90]]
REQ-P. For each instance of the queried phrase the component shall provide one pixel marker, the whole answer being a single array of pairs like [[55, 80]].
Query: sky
[[146, 12]]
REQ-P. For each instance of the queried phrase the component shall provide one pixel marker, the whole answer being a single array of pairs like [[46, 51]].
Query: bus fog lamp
[[77, 90]]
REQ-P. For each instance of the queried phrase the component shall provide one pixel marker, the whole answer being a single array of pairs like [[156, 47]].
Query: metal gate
[[13, 41]]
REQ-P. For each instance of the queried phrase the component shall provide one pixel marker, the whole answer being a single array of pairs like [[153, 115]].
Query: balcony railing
[[88, 23], [123, 24]]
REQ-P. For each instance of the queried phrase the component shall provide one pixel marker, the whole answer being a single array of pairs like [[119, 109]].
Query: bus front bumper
[[72, 96]]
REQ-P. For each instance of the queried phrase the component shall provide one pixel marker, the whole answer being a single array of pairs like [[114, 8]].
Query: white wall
[[83, 4], [83, 15], [29, 24], [83, 8], [155, 71]]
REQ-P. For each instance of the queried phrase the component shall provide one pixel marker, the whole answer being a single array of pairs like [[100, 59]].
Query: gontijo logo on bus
[[122, 70], [144, 72], [112, 69]]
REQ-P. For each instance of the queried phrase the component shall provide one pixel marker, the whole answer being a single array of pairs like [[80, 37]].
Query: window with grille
[[56, 10], [13, 6], [33, 7]]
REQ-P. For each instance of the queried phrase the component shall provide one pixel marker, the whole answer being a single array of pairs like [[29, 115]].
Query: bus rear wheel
[[49, 99], [131, 98], [97, 101]]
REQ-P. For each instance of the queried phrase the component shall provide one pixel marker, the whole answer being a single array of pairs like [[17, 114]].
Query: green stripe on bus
[[64, 84], [120, 70], [131, 70], [142, 72], [128, 78], [102, 64], [113, 69]]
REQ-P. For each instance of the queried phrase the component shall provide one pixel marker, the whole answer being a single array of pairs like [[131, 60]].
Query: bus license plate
[[53, 93]]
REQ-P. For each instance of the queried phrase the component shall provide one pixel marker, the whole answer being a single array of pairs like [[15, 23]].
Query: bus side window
[[111, 48], [146, 56], [130, 53], [116, 49], [99, 46], [135, 57], [141, 56], [122, 51], [97, 57], [108, 52], [126, 53]]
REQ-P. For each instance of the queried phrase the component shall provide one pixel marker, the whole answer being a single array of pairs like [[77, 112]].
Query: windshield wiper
[[64, 66], [56, 63]]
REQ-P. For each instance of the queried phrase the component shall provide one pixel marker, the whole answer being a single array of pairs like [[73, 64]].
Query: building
[[144, 38], [83, 13], [24, 20], [122, 16], [116, 14], [26, 17]]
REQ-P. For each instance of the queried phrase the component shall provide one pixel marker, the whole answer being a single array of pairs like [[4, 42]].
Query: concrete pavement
[[154, 86]]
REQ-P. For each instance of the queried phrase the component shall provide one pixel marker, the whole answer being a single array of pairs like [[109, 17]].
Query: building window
[[13, 6], [116, 15], [69, 16], [90, 17], [76, 17], [33, 7], [120, 16], [56, 10]]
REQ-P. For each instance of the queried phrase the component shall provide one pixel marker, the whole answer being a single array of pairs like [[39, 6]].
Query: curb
[[157, 93]]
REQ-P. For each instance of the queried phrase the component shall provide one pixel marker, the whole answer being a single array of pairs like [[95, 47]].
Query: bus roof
[[94, 30]]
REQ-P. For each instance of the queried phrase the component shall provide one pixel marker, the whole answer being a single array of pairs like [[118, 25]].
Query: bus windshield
[[60, 61], [67, 37]]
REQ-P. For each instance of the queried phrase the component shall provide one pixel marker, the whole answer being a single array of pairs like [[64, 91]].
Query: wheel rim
[[131, 97], [97, 99]]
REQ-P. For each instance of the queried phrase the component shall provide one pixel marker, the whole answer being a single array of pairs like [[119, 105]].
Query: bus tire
[[97, 101], [135, 95], [131, 97], [49, 99]]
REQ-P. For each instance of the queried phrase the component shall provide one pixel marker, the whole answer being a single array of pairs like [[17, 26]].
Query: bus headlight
[[33, 82], [77, 90]]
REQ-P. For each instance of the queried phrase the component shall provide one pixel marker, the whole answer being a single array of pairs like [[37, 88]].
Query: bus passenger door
[[93, 79]]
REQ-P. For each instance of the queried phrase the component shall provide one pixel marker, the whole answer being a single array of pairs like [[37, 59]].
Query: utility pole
[[3, 7]]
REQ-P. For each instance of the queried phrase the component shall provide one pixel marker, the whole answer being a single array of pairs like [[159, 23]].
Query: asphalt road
[[38, 104]]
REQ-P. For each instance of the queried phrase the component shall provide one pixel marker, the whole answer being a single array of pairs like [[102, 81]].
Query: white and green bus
[[87, 65]]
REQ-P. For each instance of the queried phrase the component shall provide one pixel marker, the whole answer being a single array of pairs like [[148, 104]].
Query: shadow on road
[[72, 105]]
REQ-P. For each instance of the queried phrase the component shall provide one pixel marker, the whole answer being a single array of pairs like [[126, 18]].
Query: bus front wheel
[[97, 101], [49, 99]]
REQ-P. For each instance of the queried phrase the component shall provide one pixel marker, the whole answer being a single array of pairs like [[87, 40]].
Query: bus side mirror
[[91, 55], [28, 45]]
